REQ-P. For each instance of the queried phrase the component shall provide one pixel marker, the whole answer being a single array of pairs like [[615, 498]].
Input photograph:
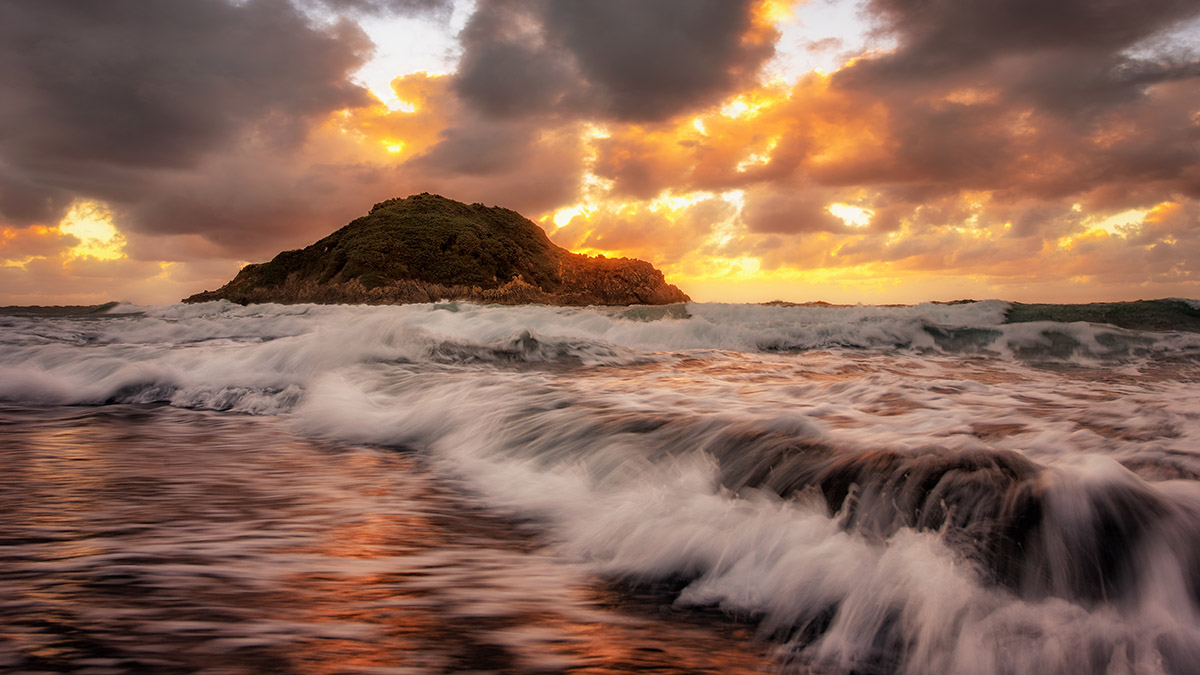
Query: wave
[[930, 559], [692, 326], [885, 489], [258, 358], [1171, 314], [261, 358]]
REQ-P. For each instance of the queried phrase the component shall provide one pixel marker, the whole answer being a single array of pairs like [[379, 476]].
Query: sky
[[882, 151]]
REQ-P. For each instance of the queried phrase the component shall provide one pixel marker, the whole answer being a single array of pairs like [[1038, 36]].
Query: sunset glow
[[936, 180], [851, 215], [604, 336], [92, 224]]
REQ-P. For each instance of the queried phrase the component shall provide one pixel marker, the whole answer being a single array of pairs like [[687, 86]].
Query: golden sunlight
[[740, 107], [852, 216], [1122, 222], [673, 202], [91, 223], [10, 239], [775, 11], [393, 102], [564, 216], [756, 159]]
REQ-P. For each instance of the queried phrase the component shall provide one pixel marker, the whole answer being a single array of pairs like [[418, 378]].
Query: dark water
[[151, 539], [981, 488], [1145, 315]]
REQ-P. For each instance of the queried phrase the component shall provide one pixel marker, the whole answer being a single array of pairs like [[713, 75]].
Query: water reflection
[[165, 540]]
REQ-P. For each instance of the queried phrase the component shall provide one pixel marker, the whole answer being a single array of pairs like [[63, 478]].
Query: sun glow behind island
[[687, 194]]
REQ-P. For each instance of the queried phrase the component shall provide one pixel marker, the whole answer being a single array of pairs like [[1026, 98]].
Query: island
[[426, 248]]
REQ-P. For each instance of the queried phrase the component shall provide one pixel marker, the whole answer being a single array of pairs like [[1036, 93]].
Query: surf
[[874, 489]]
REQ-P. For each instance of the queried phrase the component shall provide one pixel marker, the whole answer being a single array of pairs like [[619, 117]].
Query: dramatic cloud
[[439, 8], [790, 212], [938, 36], [1053, 97], [622, 59], [201, 123], [996, 141], [1028, 150], [668, 233], [34, 242], [116, 92]]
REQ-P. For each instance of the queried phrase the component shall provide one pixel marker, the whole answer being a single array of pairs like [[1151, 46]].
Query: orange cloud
[[661, 233], [959, 161], [19, 245], [404, 132]]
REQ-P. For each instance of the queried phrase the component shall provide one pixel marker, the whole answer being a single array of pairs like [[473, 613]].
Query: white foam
[[609, 505], [609, 442]]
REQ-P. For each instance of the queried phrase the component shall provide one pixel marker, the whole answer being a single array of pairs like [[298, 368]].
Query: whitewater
[[690, 488]]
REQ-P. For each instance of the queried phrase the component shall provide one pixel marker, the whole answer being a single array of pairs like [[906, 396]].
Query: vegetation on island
[[426, 248]]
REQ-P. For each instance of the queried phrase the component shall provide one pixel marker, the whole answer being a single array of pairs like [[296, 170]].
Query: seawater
[[722, 488]]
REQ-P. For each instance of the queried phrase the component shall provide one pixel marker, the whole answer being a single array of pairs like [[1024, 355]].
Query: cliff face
[[426, 248]]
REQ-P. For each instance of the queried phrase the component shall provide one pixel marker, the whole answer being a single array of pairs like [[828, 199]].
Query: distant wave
[[1172, 314], [258, 358]]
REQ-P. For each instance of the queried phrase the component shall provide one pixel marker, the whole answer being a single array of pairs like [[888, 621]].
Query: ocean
[[717, 488]]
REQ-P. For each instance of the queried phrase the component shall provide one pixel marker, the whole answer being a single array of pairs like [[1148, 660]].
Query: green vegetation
[[423, 238], [426, 247]]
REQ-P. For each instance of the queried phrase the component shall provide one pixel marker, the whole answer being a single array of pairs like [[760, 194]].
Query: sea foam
[[884, 489]]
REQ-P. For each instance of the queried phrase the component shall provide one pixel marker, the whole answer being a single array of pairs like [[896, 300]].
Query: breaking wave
[[883, 489]]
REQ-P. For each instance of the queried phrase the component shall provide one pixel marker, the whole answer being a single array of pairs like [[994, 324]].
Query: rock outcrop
[[426, 248]]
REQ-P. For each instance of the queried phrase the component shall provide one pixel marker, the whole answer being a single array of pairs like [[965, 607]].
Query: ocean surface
[[714, 488]]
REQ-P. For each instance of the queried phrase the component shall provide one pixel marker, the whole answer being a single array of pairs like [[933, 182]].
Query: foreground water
[[443, 488]]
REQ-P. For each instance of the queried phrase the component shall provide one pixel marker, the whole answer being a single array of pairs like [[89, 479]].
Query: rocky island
[[426, 248]]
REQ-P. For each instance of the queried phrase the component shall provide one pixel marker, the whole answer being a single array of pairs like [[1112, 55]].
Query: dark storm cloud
[[480, 148], [1069, 57], [24, 201], [939, 35], [385, 7], [519, 164], [650, 60], [252, 204], [99, 97], [507, 68], [618, 59]]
